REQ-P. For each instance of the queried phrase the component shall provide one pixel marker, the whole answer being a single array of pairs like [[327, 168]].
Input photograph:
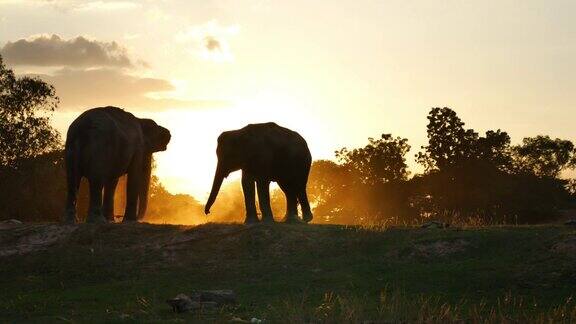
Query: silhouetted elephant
[[103, 144], [265, 153]]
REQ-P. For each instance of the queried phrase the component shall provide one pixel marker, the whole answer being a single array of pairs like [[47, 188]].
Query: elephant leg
[[291, 204], [305, 205], [95, 208], [249, 198], [71, 198], [108, 206], [291, 208], [264, 200], [132, 189]]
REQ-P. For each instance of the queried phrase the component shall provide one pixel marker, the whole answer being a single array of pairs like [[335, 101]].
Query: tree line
[[468, 177]]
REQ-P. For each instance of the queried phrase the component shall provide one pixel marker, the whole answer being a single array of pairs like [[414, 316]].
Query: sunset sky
[[337, 72]]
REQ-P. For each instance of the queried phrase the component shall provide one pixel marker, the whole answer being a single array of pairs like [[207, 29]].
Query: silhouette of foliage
[[367, 186], [34, 189], [450, 144], [330, 188], [382, 160], [545, 157], [485, 177], [25, 107], [468, 178]]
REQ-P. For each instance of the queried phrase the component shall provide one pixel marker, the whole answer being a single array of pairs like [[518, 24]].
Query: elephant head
[[231, 157], [156, 138]]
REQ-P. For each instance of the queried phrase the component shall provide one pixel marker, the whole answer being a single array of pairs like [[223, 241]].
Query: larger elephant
[[103, 144], [265, 152]]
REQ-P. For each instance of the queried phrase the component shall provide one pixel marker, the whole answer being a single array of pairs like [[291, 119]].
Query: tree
[[484, 177], [451, 145], [366, 186], [26, 104], [448, 142], [329, 189], [381, 161], [544, 157]]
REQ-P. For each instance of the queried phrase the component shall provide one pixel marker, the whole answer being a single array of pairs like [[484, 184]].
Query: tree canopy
[[382, 160], [544, 156], [25, 107]]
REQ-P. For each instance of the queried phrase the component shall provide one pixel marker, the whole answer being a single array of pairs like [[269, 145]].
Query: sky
[[336, 71]]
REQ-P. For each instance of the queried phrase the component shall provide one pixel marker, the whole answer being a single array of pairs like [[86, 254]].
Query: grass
[[294, 273]]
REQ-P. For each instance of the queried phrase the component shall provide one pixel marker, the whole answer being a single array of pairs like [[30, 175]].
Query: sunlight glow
[[188, 164]]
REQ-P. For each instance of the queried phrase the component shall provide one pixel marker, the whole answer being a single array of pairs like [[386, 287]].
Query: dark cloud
[[55, 51], [79, 89], [212, 44]]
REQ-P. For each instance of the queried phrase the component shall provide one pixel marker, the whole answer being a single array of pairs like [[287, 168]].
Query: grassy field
[[288, 273]]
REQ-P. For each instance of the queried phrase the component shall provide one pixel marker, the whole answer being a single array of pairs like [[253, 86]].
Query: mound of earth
[[24, 239]]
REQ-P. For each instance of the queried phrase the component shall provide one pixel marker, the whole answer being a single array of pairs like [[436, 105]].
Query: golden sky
[[338, 72]]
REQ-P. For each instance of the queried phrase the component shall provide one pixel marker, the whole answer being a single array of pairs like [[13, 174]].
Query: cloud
[[89, 73], [210, 41], [52, 50], [106, 5], [83, 5], [81, 89]]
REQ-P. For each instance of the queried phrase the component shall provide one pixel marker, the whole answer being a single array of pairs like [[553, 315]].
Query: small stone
[[182, 303]]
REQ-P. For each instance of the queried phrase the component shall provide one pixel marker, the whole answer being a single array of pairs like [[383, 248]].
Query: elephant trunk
[[144, 186], [219, 176]]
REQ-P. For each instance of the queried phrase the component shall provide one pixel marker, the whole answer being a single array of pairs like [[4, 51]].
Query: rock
[[435, 224], [10, 223], [202, 299], [570, 222], [182, 303]]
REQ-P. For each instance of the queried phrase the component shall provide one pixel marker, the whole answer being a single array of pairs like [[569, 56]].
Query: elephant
[[103, 144], [265, 152]]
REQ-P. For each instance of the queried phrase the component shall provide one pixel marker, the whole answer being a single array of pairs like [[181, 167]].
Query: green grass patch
[[293, 273]]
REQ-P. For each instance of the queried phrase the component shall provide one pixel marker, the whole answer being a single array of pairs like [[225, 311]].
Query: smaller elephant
[[265, 152], [103, 144]]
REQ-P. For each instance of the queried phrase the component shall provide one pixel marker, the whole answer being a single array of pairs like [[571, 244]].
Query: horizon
[[336, 74]]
